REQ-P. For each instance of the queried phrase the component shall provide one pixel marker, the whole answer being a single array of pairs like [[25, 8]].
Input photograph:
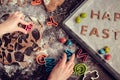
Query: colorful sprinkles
[[49, 64]]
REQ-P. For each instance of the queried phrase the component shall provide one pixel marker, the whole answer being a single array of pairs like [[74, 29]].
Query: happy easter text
[[106, 32]]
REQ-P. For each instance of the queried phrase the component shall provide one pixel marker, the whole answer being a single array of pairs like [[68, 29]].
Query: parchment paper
[[96, 43]]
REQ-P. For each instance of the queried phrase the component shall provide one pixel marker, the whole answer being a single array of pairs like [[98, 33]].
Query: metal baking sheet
[[66, 26]]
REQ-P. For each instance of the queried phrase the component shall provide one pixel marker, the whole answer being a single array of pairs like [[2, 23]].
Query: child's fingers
[[16, 13], [20, 15], [23, 17], [71, 61], [64, 59], [59, 63], [24, 22], [10, 15], [72, 58], [21, 30], [70, 66]]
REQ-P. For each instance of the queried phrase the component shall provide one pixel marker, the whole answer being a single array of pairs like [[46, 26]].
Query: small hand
[[11, 24], [63, 69]]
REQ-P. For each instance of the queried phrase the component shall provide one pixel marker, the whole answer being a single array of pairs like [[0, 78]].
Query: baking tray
[[110, 71]]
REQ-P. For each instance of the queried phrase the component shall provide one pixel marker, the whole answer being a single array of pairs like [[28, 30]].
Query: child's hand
[[63, 69], [11, 24]]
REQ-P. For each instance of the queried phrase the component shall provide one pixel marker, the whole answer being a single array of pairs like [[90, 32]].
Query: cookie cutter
[[40, 58], [36, 2], [92, 78], [69, 53], [52, 22], [80, 69], [49, 64], [69, 42], [28, 27], [82, 55]]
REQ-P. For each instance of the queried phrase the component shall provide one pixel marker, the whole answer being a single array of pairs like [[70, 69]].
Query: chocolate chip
[[11, 45], [36, 34], [7, 41], [14, 36], [25, 40], [3, 54], [9, 58], [28, 51], [0, 56], [32, 40], [25, 36], [19, 40], [4, 37], [18, 46], [19, 56], [3, 49], [0, 42], [10, 50], [11, 36], [15, 63]]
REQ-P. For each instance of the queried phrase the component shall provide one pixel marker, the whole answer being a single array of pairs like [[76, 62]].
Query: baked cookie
[[51, 5], [18, 47]]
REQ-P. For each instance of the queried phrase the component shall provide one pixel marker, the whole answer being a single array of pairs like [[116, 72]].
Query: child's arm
[[11, 24], [63, 69]]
